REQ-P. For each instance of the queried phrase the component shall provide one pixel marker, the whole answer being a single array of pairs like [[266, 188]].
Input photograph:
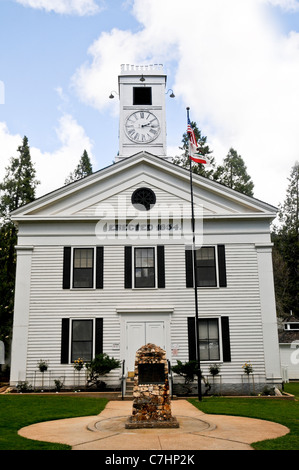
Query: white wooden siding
[[240, 301]]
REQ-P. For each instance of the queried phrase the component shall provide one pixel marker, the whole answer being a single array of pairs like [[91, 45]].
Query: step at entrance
[[129, 386]]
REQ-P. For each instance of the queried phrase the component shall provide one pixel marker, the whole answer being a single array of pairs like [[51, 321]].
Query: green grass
[[18, 411], [285, 412]]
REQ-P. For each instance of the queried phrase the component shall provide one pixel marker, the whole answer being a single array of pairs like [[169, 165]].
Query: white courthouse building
[[104, 264]]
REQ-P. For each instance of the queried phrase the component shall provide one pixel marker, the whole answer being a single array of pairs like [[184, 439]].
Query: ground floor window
[[82, 340], [214, 339], [209, 340]]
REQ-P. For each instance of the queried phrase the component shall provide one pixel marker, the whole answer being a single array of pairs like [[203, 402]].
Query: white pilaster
[[268, 311], [21, 315]]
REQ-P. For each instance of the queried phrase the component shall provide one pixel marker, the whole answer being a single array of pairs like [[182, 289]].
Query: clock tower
[[142, 123]]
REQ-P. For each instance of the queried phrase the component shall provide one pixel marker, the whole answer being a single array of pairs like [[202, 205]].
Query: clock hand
[[149, 124]]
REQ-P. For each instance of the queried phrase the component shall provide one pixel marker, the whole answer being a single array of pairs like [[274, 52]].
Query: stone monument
[[151, 398]]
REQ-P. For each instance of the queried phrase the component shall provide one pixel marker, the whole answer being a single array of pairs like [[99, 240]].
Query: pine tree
[[289, 210], [286, 243], [233, 173], [19, 184], [18, 188], [8, 241], [199, 168], [84, 168]]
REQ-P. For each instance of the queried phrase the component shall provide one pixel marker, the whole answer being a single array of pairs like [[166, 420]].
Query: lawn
[[17, 411], [280, 411]]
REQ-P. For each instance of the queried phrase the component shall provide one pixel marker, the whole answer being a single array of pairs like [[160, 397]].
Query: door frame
[[131, 315]]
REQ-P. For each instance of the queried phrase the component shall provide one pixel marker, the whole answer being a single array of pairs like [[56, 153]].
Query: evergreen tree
[[19, 184], [84, 168], [199, 168], [233, 173], [17, 189], [289, 210], [8, 241], [286, 244]]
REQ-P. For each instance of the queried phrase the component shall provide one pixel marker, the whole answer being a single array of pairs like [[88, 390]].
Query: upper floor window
[[206, 267], [142, 96], [83, 267], [210, 266], [144, 267]]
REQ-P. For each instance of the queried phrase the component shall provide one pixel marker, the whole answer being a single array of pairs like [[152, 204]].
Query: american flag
[[193, 146], [191, 134]]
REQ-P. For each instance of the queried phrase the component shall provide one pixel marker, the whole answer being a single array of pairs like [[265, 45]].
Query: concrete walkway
[[197, 431]]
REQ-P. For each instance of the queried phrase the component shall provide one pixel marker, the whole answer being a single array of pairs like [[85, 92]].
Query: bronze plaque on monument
[[151, 374]]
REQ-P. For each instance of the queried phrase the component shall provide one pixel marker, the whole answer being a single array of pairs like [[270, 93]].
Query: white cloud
[[288, 5], [94, 82], [72, 7], [52, 168], [232, 66]]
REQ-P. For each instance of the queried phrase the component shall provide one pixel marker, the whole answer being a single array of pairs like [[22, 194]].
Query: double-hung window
[[213, 338], [210, 266], [83, 267], [206, 267], [82, 340], [209, 340], [144, 267]]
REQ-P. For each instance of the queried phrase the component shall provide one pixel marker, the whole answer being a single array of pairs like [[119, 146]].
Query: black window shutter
[[66, 282], [161, 265], [222, 266], [189, 266], [99, 267], [128, 267], [191, 339], [225, 339], [99, 336], [65, 335]]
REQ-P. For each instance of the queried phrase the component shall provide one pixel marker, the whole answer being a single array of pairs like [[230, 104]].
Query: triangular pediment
[[113, 187]]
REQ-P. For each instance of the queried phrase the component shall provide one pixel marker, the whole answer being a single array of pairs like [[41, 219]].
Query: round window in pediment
[[143, 199]]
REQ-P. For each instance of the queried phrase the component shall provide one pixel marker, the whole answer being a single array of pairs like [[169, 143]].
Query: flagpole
[[195, 280]]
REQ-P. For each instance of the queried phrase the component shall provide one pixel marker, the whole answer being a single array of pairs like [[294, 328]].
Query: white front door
[[140, 333]]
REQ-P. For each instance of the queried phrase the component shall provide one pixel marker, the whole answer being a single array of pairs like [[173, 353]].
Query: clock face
[[142, 127]]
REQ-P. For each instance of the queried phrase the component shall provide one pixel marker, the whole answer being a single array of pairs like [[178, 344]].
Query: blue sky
[[236, 64]]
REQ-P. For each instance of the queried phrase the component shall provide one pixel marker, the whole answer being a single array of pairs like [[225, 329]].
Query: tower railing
[[142, 68]]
